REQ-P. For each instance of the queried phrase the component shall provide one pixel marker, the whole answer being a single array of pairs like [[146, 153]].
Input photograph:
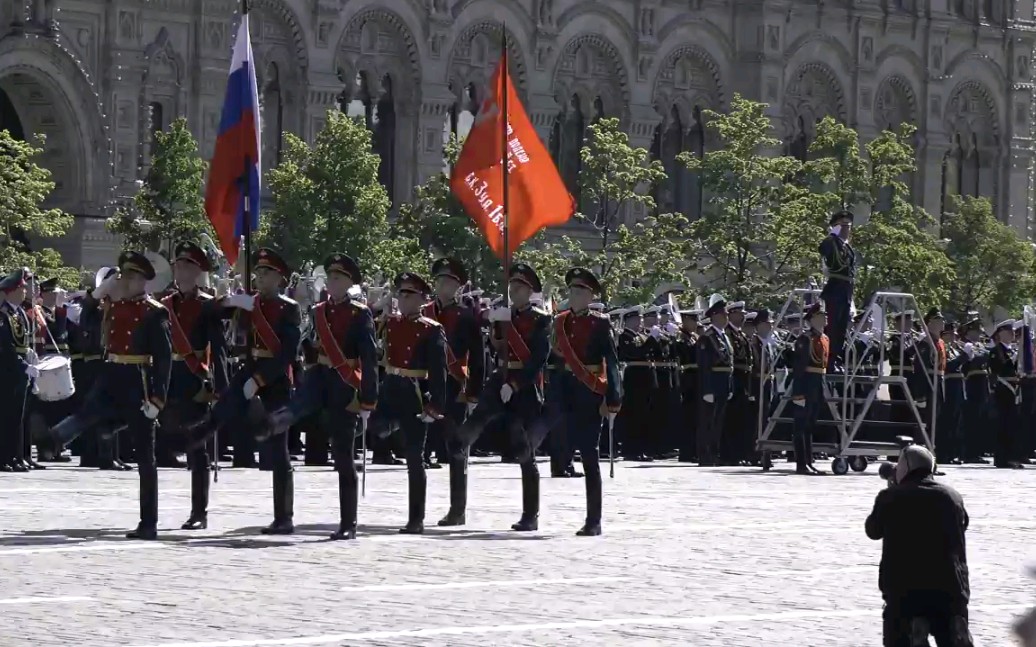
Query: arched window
[[695, 145], [672, 144], [951, 174], [385, 137], [157, 122], [799, 145], [969, 169], [573, 130], [272, 114]]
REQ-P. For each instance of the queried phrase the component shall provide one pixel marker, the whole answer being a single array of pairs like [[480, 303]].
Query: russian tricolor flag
[[236, 159]]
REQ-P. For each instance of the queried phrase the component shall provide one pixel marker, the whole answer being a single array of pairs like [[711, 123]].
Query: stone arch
[[815, 46], [379, 42], [289, 20], [475, 54], [909, 56], [53, 96], [971, 110], [600, 9], [590, 67], [973, 61], [515, 10], [698, 25], [894, 103], [811, 93], [688, 77]]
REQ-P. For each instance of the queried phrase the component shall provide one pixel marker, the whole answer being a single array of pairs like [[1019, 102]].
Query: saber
[[215, 456], [363, 444], [611, 446]]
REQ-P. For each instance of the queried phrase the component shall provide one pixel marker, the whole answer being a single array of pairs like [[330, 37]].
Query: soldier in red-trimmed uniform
[[586, 388], [273, 320], [413, 394], [133, 386], [514, 393], [199, 364], [343, 381], [465, 355]]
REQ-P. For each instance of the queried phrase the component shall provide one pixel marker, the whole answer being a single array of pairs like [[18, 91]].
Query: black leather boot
[[347, 504], [458, 494], [283, 504], [530, 520], [801, 464], [594, 496], [417, 484], [199, 519], [147, 529]]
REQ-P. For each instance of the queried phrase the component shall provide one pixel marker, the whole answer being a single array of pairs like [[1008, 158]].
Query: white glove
[[800, 402], [866, 336], [425, 418], [751, 398], [250, 389], [611, 419], [31, 357], [471, 407], [708, 397], [32, 371], [505, 393], [671, 328], [365, 414], [921, 404], [149, 410], [243, 301], [500, 314], [656, 332], [969, 349], [730, 396], [60, 296], [837, 229], [105, 288]]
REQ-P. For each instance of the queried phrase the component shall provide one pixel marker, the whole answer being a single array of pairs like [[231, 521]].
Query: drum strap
[[37, 317]]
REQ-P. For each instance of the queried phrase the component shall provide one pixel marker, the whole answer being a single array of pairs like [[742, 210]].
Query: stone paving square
[[690, 556]]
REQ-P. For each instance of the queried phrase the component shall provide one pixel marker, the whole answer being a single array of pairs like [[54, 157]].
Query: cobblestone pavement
[[690, 556]]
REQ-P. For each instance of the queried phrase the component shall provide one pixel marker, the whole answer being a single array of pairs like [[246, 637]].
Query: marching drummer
[[16, 369], [131, 389]]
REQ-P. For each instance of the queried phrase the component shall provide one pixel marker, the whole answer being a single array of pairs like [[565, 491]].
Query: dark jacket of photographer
[[923, 560]]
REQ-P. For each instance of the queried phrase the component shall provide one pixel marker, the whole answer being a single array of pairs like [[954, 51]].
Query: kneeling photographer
[[924, 567]]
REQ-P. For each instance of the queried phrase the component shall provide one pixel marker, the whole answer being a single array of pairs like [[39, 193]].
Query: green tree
[[327, 198], [758, 231], [896, 248], [436, 220], [24, 186], [169, 206], [993, 264]]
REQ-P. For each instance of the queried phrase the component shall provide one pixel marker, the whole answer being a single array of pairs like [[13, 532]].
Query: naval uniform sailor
[[715, 383], [839, 260], [133, 385], [1003, 370], [16, 368]]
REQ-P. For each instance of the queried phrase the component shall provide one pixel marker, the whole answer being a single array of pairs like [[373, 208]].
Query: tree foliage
[[327, 198], [169, 206], [757, 235], [993, 265], [24, 186]]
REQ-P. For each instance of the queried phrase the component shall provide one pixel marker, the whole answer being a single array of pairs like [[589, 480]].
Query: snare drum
[[54, 382]]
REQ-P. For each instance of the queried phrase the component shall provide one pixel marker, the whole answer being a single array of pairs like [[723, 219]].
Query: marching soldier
[[840, 267], [465, 366], [343, 381], [413, 394], [16, 368], [1003, 370], [716, 372], [686, 355], [812, 351], [264, 382], [585, 389], [134, 383], [514, 393], [199, 364]]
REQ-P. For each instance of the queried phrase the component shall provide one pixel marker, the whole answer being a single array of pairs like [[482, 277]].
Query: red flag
[[536, 195]]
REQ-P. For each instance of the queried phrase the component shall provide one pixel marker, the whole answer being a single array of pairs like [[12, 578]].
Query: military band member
[[949, 429], [51, 339], [840, 267], [716, 374], [737, 428], [585, 389], [343, 382], [413, 394], [812, 351], [513, 395], [264, 380], [687, 356], [465, 366], [199, 364], [902, 358], [929, 368], [16, 368], [638, 383], [1003, 371], [976, 390], [764, 364], [133, 386]]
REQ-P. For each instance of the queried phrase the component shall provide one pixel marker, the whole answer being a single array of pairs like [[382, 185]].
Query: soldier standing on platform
[[585, 389], [16, 368], [343, 382], [1003, 370], [199, 365], [133, 386], [687, 356], [413, 394], [715, 370], [273, 322], [465, 355], [976, 391], [840, 268], [513, 395], [812, 350]]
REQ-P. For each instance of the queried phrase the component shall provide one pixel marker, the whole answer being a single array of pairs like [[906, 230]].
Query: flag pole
[[504, 79], [247, 187]]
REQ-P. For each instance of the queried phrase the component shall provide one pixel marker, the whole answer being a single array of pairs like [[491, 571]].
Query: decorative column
[[431, 128]]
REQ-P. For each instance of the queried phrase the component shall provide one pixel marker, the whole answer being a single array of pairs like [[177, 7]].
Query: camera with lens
[[887, 470]]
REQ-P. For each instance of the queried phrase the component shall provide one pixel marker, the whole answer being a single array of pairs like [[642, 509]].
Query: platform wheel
[[767, 462], [840, 466], [858, 463]]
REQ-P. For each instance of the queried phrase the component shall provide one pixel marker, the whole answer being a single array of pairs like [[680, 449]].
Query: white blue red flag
[[234, 175]]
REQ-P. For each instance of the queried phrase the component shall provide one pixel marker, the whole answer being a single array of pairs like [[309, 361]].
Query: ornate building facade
[[98, 77]]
